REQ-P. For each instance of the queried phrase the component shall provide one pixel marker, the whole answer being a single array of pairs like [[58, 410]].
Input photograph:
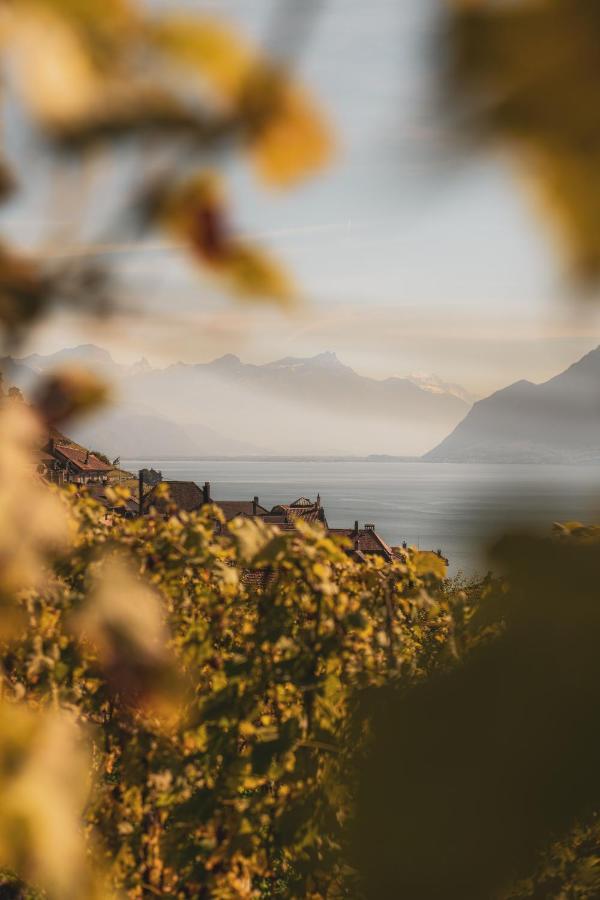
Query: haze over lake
[[458, 508]]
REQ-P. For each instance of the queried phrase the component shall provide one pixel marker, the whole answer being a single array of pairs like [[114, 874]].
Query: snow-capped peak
[[432, 383]]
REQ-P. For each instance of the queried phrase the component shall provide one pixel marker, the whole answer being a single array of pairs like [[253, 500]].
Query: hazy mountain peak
[[516, 389], [91, 351], [326, 360], [84, 353], [227, 361]]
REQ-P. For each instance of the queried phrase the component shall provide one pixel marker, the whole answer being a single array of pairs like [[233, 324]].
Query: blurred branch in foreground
[[181, 93], [525, 76]]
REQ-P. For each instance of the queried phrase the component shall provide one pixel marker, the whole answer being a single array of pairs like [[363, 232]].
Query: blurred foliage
[[183, 94], [254, 714], [570, 868], [218, 711], [67, 392], [196, 213], [502, 750], [32, 528], [525, 76], [44, 783]]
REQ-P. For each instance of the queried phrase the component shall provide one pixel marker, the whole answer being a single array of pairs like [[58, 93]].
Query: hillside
[[130, 433], [554, 422]]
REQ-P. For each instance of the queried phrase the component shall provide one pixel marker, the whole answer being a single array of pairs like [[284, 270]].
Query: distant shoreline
[[220, 458], [373, 458]]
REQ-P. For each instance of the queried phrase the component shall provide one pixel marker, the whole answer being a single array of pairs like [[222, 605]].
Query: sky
[[411, 257]]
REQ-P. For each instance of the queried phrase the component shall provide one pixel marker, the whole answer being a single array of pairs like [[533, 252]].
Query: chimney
[[255, 506], [318, 501], [206, 492], [369, 527], [356, 526]]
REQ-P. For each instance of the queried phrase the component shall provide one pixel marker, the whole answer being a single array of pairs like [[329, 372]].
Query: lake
[[458, 508]]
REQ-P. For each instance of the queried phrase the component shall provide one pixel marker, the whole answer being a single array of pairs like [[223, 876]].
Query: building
[[46, 465], [184, 495], [189, 497], [125, 509], [360, 542], [63, 462], [231, 509], [366, 541], [289, 513]]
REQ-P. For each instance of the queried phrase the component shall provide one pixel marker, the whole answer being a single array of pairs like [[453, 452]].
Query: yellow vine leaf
[[428, 563], [104, 23], [195, 212], [253, 274], [33, 524], [288, 138], [503, 67], [216, 50], [44, 781], [123, 619], [50, 65], [293, 141]]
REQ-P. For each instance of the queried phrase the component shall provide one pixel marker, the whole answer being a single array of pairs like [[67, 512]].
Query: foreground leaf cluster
[[217, 706]]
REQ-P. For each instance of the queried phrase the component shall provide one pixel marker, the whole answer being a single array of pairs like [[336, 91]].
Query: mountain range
[[298, 406], [292, 406], [554, 422]]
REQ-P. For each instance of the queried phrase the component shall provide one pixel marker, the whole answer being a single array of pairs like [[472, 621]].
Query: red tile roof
[[300, 509], [365, 540], [186, 495], [271, 519], [82, 459], [233, 508], [98, 492]]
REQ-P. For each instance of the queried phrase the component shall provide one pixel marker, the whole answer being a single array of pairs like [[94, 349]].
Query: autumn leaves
[[87, 73]]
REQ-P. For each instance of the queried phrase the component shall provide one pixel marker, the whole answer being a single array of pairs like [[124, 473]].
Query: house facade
[[65, 463]]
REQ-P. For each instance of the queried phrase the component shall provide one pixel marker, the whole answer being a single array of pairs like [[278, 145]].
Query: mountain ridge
[[291, 406], [557, 420]]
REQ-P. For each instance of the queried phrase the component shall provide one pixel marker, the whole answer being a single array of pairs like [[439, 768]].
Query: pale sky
[[410, 257]]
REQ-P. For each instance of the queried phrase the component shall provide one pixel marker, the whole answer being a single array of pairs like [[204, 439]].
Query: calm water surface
[[459, 508]]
